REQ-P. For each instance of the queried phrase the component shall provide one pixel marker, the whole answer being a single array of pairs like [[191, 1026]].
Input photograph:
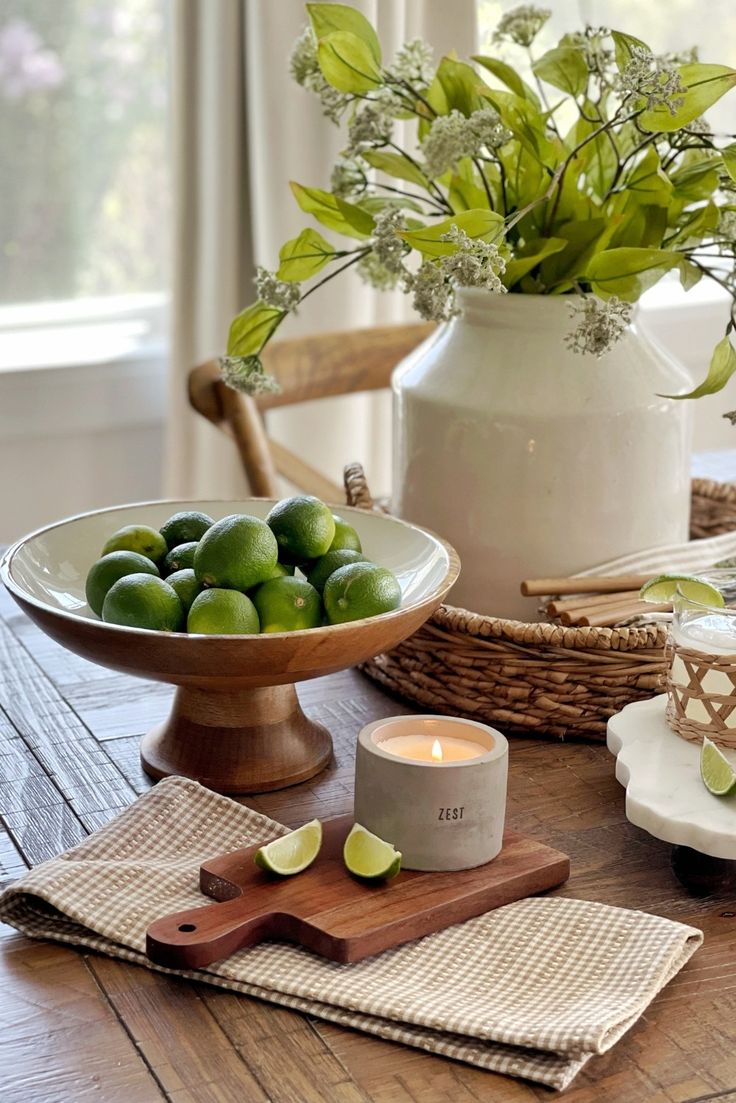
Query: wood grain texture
[[80, 1027], [306, 368], [336, 915]]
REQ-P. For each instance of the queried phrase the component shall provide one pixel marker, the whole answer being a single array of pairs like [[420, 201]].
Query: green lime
[[184, 584], [369, 857], [281, 570], [236, 553], [223, 613], [287, 605], [716, 771], [143, 601], [303, 526], [664, 587], [185, 527], [360, 590], [106, 571], [320, 570], [345, 536], [180, 557], [137, 538], [293, 852]]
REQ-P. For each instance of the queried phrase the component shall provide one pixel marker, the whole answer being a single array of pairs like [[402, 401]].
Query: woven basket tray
[[537, 678]]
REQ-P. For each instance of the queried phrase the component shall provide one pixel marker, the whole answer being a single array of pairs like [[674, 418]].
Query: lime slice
[[369, 857], [719, 776], [664, 587], [293, 852]]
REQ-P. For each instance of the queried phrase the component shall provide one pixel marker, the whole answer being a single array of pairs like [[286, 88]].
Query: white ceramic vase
[[532, 460]]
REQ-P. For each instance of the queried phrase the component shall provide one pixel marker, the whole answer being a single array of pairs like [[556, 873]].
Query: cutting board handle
[[196, 937]]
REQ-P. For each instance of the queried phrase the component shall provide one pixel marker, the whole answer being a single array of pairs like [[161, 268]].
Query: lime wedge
[[719, 776], [369, 857], [664, 587], [293, 852]]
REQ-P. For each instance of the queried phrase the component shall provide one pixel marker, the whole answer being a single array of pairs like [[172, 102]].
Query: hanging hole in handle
[[188, 927]]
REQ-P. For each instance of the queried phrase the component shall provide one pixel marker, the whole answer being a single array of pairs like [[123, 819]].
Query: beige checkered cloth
[[533, 989]]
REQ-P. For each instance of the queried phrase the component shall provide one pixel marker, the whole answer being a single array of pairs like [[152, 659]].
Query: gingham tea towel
[[533, 989]]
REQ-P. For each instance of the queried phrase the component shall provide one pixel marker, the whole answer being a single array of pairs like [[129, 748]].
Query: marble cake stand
[[666, 797]]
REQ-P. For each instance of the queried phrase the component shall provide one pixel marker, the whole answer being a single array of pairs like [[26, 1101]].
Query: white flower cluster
[[413, 63], [600, 324], [305, 70], [454, 136], [475, 263], [521, 25], [375, 273], [279, 294], [389, 248], [654, 79], [432, 293], [246, 374], [349, 177], [727, 227], [371, 126], [383, 268]]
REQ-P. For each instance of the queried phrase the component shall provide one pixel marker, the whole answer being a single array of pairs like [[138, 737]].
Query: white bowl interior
[[51, 566]]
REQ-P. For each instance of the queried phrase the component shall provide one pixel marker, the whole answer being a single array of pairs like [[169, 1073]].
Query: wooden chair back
[[306, 368]]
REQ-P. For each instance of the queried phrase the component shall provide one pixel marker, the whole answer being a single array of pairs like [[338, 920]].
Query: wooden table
[[77, 1027]]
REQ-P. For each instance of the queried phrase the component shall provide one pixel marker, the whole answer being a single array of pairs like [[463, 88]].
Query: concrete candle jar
[[435, 787]]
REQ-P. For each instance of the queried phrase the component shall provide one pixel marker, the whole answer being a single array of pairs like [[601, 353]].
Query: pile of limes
[[300, 568]]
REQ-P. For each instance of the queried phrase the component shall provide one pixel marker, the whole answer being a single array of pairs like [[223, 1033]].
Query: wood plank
[[286, 1051], [82, 1053], [174, 1030], [57, 738]]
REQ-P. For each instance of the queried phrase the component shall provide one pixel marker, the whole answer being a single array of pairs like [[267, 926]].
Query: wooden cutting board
[[330, 912]]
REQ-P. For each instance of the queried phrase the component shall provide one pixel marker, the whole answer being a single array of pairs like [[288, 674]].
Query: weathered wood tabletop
[[77, 1027]]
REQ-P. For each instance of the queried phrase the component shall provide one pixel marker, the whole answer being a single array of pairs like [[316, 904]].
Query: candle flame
[[437, 755]]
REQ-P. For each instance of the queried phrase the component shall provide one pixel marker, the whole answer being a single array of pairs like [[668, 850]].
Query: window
[[84, 178]]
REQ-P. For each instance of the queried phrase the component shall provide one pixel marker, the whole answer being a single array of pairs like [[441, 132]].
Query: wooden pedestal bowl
[[236, 724]]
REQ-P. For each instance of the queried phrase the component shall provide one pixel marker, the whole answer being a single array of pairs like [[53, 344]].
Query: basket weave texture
[[542, 679], [701, 695]]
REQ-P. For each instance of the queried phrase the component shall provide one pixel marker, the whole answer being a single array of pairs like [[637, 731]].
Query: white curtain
[[243, 129]]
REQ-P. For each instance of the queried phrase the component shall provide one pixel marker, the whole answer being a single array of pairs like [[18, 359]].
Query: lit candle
[[427, 748], [435, 787]]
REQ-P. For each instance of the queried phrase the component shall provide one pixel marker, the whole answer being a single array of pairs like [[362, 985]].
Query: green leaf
[[622, 46], [628, 272], [397, 165], [336, 214], [509, 76], [729, 160], [461, 85], [526, 123], [648, 182], [347, 63], [690, 274], [565, 68], [356, 217], [533, 253], [705, 84], [328, 18], [696, 225], [304, 256], [582, 238], [722, 367], [482, 224], [250, 330], [464, 190], [697, 176]]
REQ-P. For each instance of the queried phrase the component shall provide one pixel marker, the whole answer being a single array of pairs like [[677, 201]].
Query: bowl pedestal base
[[237, 740]]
